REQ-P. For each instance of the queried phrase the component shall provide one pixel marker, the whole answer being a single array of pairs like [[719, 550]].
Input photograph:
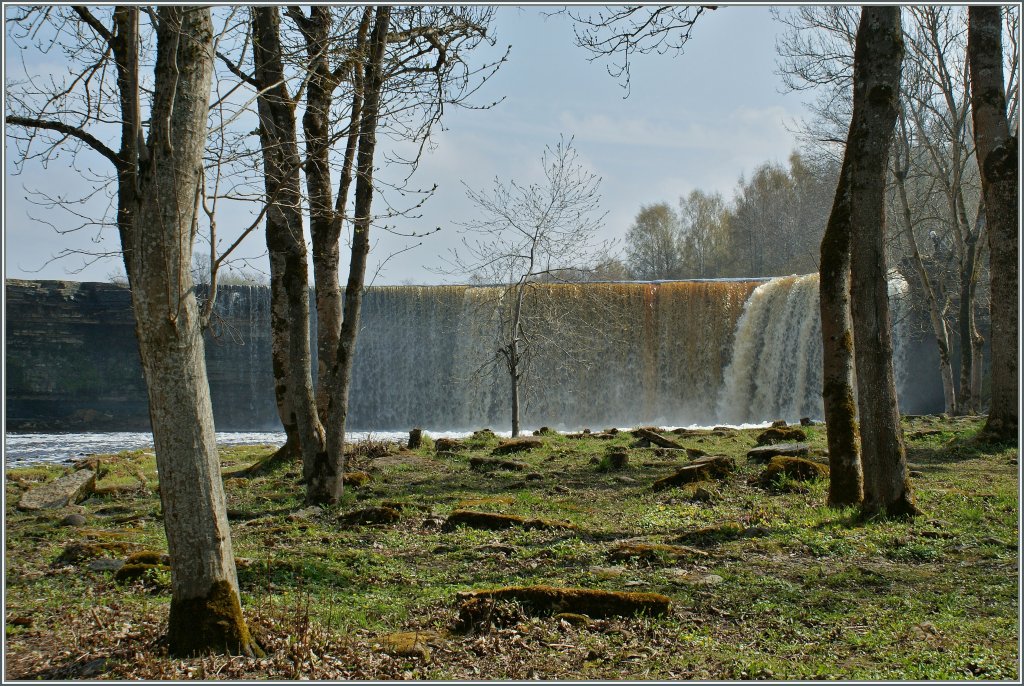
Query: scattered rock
[[371, 515], [135, 572], [563, 490], [476, 607], [764, 454], [448, 445], [806, 421], [484, 435], [651, 552], [105, 564], [534, 476], [517, 445], [415, 439], [59, 493], [410, 643], [73, 520], [781, 435], [148, 557], [544, 431], [494, 521], [614, 460], [694, 579], [652, 436], [356, 479], [306, 512], [695, 453], [779, 424], [727, 531], [433, 522], [700, 492], [607, 572], [708, 468], [478, 462], [625, 480], [79, 552], [573, 619], [795, 468]]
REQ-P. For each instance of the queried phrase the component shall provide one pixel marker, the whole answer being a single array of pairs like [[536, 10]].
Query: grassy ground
[[786, 588]]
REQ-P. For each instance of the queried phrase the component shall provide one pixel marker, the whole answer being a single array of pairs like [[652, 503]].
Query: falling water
[[775, 371], [679, 353]]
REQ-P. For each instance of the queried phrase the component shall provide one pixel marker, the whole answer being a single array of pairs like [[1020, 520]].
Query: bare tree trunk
[[846, 481], [326, 217], [285, 239], [326, 481], [968, 329], [205, 612], [998, 160], [877, 62]]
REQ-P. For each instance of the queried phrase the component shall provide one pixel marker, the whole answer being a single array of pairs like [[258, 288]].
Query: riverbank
[[762, 580]]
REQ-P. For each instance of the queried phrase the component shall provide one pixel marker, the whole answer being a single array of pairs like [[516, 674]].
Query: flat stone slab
[[765, 453], [62, 492]]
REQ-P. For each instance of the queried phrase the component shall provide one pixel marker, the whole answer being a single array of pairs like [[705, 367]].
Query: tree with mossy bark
[[998, 155], [877, 61], [159, 173]]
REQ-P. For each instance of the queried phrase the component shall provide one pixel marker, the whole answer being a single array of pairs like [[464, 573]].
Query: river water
[[62, 448], [21, 450]]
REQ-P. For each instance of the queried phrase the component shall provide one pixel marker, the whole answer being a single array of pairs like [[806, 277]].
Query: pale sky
[[696, 120]]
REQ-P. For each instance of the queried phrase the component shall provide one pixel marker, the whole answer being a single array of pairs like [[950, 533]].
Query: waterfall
[[775, 371], [605, 354]]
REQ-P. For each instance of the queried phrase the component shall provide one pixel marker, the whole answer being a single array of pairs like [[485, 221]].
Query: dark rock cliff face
[[73, 361]]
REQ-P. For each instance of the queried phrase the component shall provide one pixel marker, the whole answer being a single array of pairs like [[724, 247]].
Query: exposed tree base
[[210, 625], [998, 431], [903, 508], [286, 454]]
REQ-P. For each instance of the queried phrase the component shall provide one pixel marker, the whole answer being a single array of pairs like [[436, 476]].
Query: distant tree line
[[772, 226]]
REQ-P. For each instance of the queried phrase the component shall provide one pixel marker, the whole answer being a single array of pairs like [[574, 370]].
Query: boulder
[[795, 468], [763, 454], [62, 492], [781, 434], [447, 444], [656, 438]]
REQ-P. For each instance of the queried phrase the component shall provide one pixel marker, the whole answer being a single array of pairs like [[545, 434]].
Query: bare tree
[[159, 177], [524, 234], [998, 152], [621, 32]]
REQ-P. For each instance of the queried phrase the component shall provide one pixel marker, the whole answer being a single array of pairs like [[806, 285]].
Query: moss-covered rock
[[477, 607], [781, 434], [140, 571], [494, 521], [371, 515], [410, 643], [707, 468], [794, 469], [448, 445], [481, 462], [652, 552]]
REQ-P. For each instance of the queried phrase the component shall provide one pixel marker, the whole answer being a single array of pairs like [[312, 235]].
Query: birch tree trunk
[[877, 62], [160, 211], [326, 480], [998, 156]]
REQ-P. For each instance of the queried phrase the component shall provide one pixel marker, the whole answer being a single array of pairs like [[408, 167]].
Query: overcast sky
[[698, 120]]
